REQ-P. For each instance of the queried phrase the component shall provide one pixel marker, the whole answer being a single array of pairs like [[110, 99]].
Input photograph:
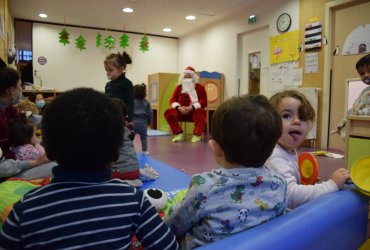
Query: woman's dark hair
[[9, 77], [140, 91], [82, 129], [21, 130], [118, 60]]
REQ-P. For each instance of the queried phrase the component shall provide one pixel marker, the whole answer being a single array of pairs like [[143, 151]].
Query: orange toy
[[308, 168]]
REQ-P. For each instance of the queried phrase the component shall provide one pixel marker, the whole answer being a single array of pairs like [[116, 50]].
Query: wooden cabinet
[[357, 138]]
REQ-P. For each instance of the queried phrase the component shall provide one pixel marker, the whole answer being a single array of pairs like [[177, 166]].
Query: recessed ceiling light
[[43, 15], [190, 18], [128, 10], [167, 29]]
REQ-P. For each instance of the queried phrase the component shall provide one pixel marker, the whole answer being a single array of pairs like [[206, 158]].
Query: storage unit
[[357, 138]]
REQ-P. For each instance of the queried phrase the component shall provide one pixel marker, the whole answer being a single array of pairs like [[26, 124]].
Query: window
[[24, 55]]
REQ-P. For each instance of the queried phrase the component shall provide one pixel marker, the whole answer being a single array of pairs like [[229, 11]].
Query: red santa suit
[[188, 93]]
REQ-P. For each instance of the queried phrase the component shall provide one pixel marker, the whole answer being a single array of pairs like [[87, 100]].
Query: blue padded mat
[[170, 180], [153, 132]]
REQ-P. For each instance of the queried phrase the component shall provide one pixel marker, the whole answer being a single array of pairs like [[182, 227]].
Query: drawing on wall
[[358, 41], [284, 47], [282, 76]]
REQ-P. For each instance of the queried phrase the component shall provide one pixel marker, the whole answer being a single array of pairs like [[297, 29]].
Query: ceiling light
[[167, 29], [190, 18], [128, 10], [43, 15]]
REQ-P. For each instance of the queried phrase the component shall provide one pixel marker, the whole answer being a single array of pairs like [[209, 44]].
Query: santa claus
[[188, 103]]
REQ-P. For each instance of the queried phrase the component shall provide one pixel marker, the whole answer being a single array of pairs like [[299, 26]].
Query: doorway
[[254, 73], [342, 66], [253, 57]]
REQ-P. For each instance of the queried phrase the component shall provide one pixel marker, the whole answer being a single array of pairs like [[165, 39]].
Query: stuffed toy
[[157, 198]]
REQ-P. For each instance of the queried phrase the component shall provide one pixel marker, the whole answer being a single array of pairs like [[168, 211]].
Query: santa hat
[[189, 70]]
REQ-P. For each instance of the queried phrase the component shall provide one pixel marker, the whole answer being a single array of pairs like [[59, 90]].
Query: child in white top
[[297, 115], [25, 144]]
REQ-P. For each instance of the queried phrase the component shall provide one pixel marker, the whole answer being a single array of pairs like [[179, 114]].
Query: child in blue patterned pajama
[[243, 193]]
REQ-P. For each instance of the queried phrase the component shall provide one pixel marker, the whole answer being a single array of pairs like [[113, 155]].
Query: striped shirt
[[84, 210]]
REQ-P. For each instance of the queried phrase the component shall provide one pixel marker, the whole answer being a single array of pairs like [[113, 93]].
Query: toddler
[[119, 85], [127, 166], [142, 115], [243, 193], [25, 144], [82, 207], [297, 116]]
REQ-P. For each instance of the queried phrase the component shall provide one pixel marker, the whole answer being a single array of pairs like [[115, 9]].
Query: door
[[252, 68], [345, 19]]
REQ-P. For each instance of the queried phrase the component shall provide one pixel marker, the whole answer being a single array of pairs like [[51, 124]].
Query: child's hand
[[340, 176]]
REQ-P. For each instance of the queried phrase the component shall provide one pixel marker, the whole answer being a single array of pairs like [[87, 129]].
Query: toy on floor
[[308, 168], [157, 197], [148, 173]]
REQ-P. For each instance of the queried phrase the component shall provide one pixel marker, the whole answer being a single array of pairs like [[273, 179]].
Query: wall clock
[[283, 22]]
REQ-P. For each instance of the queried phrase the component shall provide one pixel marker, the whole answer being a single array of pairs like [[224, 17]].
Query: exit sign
[[252, 19]]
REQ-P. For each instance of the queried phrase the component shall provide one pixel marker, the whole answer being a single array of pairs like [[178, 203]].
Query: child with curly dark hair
[[25, 144], [142, 117], [82, 207]]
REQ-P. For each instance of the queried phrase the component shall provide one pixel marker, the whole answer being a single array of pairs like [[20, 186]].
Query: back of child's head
[[363, 61], [305, 111], [247, 129], [21, 130], [9, 77], [82, 129], [140, 91], [121, 105], [118, 60]]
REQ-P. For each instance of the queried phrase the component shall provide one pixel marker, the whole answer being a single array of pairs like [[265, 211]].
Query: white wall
[[68, 67], [216, 48]]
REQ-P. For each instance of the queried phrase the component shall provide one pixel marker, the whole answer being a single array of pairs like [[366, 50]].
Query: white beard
[[188, 87]]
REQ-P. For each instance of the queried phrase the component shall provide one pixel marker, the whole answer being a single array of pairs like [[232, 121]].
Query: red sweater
[[5, 116]]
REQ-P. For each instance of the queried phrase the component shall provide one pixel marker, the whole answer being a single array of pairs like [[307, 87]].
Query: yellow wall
[[8, 28], [313, 9]]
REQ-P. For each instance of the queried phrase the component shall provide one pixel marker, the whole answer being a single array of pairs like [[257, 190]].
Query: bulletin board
[[284, 47]]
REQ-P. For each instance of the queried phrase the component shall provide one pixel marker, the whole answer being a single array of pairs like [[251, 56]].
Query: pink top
[[28, 152]]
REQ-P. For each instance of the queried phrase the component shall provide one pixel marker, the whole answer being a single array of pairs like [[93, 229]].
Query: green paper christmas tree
[[98, 40], [64, 37], [144, 44], [80, 43], [124, 41], [109, 42]]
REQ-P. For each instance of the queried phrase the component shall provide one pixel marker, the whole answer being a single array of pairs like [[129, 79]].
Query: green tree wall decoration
[[80, 43], [64, 36], [109, 42], [124, 41], [144, 44], [98, 40]]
